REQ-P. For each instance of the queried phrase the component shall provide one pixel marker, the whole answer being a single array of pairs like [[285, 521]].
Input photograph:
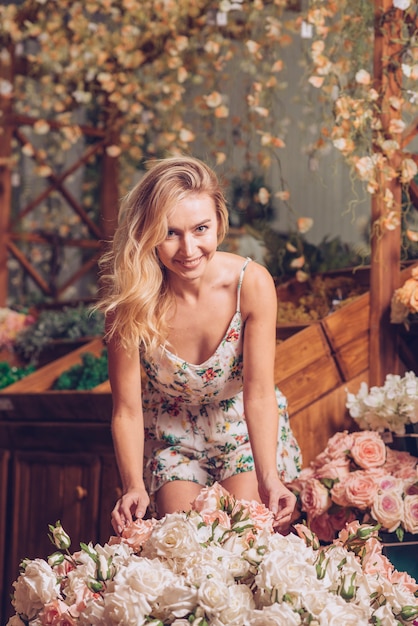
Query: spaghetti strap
[[241, 278]]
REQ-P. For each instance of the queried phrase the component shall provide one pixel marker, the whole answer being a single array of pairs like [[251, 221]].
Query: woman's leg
[[243, 486], [176, 496]]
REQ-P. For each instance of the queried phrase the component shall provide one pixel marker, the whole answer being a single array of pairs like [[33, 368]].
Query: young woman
[[191, 344]]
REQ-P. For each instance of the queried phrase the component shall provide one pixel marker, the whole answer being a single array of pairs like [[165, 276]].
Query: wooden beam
[[385, 244], [6, 74]]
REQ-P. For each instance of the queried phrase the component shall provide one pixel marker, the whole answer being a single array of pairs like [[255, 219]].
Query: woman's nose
[[187, 245]]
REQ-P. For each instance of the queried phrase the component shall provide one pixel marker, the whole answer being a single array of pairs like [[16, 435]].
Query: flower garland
[[389, 407], [219, 564], [358, 477]]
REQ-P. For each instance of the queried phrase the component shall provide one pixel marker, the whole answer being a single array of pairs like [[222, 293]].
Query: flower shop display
[[391, 407], [358, 477], [404, 305], [221, 563]]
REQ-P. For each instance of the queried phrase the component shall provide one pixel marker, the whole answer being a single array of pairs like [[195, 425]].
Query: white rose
[[36, 586], [274, 615], [402, 4], [93, 613], [173, 538], [179, 600], [123, 605], [240, 602], [338, 612], [213, 596], [148, 577], [285, 573]]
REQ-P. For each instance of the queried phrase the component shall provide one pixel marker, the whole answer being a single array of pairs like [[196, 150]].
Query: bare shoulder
[[258, 290]]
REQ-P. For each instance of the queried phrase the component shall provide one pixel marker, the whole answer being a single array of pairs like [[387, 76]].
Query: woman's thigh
[[176, 496], [243, 486]]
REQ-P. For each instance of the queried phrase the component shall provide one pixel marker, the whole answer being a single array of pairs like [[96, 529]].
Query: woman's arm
[[259, 308], [127, 433]]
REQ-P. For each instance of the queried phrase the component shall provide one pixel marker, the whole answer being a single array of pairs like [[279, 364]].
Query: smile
[[190, 264]]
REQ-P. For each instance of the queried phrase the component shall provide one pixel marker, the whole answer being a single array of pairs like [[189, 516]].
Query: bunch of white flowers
[[390, 407], [221, 564]]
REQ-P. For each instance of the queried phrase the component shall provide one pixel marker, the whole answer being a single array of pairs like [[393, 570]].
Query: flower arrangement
[[390, 407], [219, 564], [404, 305], [358, 477], [11, 324]]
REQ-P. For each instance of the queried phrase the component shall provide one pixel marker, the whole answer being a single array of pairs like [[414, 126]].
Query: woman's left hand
[[281, 502]]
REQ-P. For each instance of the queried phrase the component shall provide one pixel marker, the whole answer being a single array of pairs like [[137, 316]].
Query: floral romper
[[195, 427]]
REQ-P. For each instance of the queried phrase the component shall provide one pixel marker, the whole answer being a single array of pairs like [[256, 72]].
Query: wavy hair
[[135, 295]]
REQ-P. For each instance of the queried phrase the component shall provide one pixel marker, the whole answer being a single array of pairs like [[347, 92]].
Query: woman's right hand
[[131, 505]]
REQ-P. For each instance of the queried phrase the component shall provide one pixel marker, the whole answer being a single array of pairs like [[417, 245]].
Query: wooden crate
[[347, 331], [32, 398], [305, 369]]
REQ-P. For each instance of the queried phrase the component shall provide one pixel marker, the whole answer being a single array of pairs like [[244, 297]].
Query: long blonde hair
[[135, 296]]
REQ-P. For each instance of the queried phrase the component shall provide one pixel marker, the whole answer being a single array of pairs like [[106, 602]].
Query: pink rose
[[359, 490], [397, 459], [411, 514], [258, 513], [315, 497], [57, 614], [387, 509], [322, 527], [374, 562], [337, 447], [307, 535], [404, 579], [335, 469], [137, 533], [368, 449], [210, 498], [221, 516], [339, 495], [390, 483], [341, 518]]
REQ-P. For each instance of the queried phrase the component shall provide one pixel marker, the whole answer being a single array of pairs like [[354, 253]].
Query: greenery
[[86, 375], [10, 374], [68, 323]]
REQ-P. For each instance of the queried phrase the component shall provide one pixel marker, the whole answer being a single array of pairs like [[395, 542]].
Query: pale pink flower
[[388, 509], [359, 489], [368, 449], [315, 497], [411, 514]]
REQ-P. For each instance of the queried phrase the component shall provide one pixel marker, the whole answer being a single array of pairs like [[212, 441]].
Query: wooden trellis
[[15, 242]]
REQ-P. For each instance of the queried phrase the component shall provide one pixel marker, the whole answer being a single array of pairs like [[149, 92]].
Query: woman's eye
[[201, 229]]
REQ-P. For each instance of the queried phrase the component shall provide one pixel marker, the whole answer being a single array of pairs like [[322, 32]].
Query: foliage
[[358, 477], [67, 323], [368, 120], [92, 371], [219, 564], [10, 374]]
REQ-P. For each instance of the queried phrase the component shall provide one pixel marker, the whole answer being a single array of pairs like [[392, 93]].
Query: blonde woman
[[199, 325]]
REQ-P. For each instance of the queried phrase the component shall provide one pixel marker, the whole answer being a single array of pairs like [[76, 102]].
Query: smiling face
[[192, 236]]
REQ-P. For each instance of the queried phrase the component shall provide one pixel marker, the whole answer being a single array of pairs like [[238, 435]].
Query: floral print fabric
[[195, 426]]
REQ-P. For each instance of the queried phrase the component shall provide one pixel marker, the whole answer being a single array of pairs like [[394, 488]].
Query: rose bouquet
[[404, 305], [220, 564], [389, 407], [358, 477]]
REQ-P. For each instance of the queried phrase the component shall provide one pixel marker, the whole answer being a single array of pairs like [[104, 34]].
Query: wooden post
[[6, 133], [385, 244]]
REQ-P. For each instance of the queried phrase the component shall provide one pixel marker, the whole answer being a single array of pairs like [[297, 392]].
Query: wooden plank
[[353, 357], [310, 383], [318, 421], [346, 324], [299, 351], [6, 74], [4, 475]]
